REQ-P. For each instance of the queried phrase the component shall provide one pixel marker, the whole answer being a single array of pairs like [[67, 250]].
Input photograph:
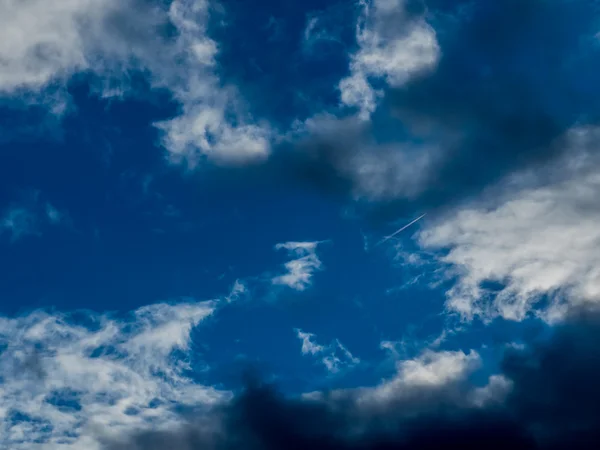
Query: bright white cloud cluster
[[386, 52], [334, 357], [537, 242], [68, 384], [300, 269], [427, 380], [43, 43]]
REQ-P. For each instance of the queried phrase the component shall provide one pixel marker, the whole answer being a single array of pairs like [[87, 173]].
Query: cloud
[[46, 43], [71, 380], [18, 222], [308, 346], [386, 53], [532, 245], [334, 356], [238, 290], [28, 216], [480, 110], [300, 270], [54, 215], [546, 398], [202, 129]]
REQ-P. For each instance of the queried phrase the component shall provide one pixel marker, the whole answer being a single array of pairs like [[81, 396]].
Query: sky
[[198, 201]]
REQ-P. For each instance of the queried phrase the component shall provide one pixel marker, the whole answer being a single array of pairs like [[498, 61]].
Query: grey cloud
[[553, 404]]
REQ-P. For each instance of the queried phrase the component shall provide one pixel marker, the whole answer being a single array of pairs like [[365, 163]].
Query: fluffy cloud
[[300, 270], [202, 129], [48, 41], [535, 237], [44, 43], [334, 356], [71, 381], [386, 53]]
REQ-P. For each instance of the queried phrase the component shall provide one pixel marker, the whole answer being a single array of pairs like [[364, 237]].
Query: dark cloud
[[513, 77], [554, 404]]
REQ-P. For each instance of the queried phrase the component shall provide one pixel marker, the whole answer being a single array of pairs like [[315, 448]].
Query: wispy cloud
[[28, 216], [18, 222], [300, 269], [334, 356], [72, 380]]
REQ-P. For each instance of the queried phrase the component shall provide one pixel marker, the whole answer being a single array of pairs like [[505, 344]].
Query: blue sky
[[191, 189]]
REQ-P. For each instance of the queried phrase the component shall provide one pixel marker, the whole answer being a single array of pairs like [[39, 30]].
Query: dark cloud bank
[[513, 77], [554, 404]]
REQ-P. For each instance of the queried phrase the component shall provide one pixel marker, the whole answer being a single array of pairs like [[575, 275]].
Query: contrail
[[398, 231]]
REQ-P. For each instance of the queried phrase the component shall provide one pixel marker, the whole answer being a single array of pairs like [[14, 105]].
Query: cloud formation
[[334, 356], [300, 269], [546, 398], [69, 381], [495, 97], [392, 46], [531, 244], [46, 43], [29, 216]]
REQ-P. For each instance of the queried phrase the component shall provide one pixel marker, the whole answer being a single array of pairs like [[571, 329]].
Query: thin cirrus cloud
[[71, 383], [335, 357]]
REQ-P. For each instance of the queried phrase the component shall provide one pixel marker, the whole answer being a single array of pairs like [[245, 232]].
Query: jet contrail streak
[[400, 230]]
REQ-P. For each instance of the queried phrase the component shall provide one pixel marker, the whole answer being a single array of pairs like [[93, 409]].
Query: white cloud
[[535, 240], [429, 370], [300, 270], [426, 381], [43, 43], [386, 52], [202, 130], [68, 384], [308, 346], [334, 357], [238, 290]]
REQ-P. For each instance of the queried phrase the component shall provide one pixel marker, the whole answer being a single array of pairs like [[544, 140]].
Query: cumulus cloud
[[545, 397], [531, 245], [300, 269], [334, 356], [386, 53], [69, 381], [45, 43], [202, 130]]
